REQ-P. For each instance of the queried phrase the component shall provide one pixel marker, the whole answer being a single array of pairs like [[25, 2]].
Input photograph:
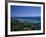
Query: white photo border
[[24, 32]]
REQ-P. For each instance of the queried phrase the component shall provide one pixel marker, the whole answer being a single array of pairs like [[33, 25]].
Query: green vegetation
[[23, 26]]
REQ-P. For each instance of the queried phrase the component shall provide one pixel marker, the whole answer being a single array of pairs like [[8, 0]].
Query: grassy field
[[24, 26]]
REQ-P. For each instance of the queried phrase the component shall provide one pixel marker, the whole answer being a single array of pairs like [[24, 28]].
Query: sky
[[25, 11]]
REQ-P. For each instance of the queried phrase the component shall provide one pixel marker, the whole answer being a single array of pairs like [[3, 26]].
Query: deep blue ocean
[[28, 19]]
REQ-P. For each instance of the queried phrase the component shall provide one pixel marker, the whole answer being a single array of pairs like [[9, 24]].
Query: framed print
[[25, 18]]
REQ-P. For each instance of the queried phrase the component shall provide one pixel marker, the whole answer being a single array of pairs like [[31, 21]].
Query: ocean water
[[28, 19]]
